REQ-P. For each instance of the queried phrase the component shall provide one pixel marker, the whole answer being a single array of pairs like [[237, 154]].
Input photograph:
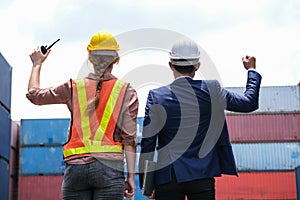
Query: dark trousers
[[201, 189]]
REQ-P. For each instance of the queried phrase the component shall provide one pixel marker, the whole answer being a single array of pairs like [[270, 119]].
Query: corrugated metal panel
[[276, 98], [44, 131], [14, 162], [257, 185], [264, 127], [267, 156], [41, 160], [40, 187], [4, 179], [5, 129], [5, 83], [15, 135], [261, 127], [297, 173], [13, 188], [49, 187]]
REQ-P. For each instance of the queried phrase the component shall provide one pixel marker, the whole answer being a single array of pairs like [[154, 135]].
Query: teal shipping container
[[36, 132]]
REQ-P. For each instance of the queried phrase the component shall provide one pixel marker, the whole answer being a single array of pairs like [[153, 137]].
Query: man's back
[[185, 123]]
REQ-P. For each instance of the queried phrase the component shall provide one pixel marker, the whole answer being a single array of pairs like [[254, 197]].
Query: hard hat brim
[[104, 52], [184, 62]]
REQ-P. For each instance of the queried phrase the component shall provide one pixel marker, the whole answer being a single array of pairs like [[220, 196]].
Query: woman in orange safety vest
[[102, 126]]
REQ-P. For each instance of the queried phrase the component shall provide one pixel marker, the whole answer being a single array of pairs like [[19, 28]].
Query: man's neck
[[179, 75]]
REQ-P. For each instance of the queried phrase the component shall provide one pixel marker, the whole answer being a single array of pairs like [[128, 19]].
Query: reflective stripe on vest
[[95, 145]]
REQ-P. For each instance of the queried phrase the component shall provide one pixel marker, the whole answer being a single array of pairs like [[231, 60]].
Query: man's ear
[[171, 66], [197, 66]]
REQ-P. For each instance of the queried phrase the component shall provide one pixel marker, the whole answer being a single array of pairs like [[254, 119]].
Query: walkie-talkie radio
[[44, 49]]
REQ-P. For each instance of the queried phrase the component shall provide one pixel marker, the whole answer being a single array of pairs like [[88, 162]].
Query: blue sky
[[226, 30]]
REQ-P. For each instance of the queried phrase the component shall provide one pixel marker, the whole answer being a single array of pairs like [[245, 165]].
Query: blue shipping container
[[5, 83], [140, 121], [44, 131], [283, 156], [41, 161], [5, 130], [4, 179]]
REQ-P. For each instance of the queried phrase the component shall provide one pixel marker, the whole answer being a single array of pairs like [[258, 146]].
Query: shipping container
[[297, 173], [5, 124], [49, 187], [13, 188], [275, 98], [15, 135], [264, 127], [249, 185], [5, 83], [267, 156], [260, 127], [257, 185], [14, 174], [14, 160], [40, 187], [41, 161], [4, 179], [14, 149], [44, 131], [140, 121]]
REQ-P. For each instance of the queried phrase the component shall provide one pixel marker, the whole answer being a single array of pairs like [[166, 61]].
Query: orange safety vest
[[94, 133]]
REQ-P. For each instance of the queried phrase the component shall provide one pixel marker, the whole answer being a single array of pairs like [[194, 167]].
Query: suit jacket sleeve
[[246, 102]]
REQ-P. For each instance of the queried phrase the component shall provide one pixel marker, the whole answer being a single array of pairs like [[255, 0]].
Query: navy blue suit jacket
[[185, 124]]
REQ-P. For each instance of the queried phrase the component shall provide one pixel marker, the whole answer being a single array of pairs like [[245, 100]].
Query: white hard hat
[[184, 52]]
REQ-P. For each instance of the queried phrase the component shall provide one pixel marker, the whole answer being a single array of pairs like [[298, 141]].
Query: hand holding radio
[[39, 55], [44, 49]]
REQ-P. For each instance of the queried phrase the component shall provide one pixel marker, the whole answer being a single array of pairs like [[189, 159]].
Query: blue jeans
[[101, 180]]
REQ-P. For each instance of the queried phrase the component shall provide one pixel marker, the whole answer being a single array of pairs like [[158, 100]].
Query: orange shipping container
[[257, 185]]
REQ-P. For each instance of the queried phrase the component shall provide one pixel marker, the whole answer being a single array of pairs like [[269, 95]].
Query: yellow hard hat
[[103, 40]]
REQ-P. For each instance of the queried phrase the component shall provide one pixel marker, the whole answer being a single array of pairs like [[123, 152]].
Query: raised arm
[[42, 96], [37, 58], [247, 102]]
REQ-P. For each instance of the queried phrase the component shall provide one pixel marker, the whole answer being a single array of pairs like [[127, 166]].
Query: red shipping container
[[40, 187], [13, 188], [14, 148], [264, 127], [257, 185]]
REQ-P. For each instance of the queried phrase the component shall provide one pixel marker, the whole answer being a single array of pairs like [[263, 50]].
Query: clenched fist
[[249, 62]]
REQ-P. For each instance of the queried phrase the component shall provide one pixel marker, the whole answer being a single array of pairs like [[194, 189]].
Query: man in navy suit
[[185, 124]]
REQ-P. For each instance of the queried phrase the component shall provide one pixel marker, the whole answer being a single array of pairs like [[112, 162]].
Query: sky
[[225, 30]]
